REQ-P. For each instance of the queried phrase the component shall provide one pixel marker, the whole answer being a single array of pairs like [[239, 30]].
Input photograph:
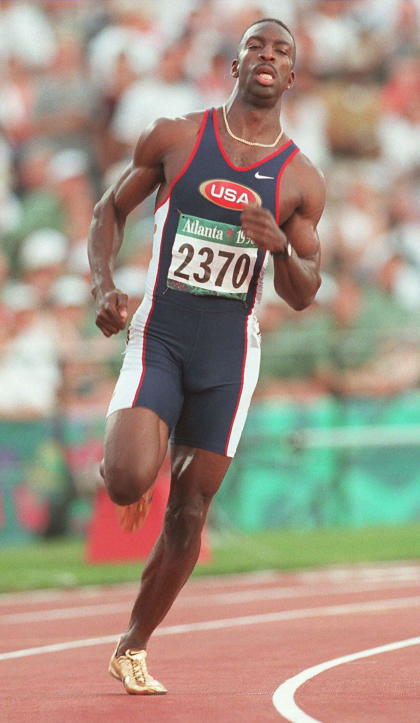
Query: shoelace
[[138, 666]]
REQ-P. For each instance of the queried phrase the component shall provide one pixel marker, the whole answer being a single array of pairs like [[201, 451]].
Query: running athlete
[[231, 189]]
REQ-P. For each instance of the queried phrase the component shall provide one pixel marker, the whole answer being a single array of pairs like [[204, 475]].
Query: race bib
[[212, 258]]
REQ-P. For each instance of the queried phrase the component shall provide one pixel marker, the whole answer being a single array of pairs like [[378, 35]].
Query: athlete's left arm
[[296, 276]]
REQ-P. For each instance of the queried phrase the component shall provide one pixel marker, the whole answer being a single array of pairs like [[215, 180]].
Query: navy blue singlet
[[193, 350]]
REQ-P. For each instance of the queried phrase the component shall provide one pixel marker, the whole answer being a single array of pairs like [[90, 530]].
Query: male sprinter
[[232, 188]]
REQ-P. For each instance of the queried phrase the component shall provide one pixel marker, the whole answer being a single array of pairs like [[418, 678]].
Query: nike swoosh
[[258, 175]]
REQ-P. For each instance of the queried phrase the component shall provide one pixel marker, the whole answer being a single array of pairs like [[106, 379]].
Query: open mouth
[[265, 76]]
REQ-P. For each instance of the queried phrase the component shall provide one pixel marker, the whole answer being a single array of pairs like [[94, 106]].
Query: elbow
[[301, 301], [98, 211], [297, 303], [301, 304], [308, 299], [312, 297], [101, 206], [105, 204]]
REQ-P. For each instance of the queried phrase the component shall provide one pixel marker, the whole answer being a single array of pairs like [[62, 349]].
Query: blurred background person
[[29, 369]]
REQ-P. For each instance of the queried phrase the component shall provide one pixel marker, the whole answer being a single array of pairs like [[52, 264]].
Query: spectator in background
[[38, 205], [82, 389], [69, 297], [130, 33], [403, 85], [42, 259], [68, 175], [64, 99], [216, 83], [151, 97], [10, 206], [306, 118], [399, 129], [333, 41], [132, 281], [5, 311], [59, 192], [17, 97], [119, 54], [20, 23], [29, 371], [360, 225]]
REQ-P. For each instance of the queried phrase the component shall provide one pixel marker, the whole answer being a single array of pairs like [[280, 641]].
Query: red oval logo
[[228, 194]]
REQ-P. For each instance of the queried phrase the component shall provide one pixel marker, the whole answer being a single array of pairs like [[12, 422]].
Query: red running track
[[228, 644]]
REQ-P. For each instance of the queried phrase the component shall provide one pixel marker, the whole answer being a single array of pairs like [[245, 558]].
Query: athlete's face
[[264, 67]]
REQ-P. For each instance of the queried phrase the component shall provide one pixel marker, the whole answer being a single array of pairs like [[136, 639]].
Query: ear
[[291, 80], [235, 70]]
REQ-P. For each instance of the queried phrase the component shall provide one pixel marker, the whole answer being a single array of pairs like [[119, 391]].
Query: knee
[[185, 519], [126, 485]]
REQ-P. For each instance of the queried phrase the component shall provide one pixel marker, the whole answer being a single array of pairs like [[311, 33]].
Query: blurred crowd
[[79, 80]]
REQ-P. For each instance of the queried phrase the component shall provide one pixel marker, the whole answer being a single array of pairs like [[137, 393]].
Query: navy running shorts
[[195, 362]]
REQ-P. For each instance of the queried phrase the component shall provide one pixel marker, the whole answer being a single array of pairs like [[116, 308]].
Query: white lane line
[[24, 597], [328, 575], [330, 610], [337, 574], [229, 598], [278, 593], [78, 611], [283, 697]]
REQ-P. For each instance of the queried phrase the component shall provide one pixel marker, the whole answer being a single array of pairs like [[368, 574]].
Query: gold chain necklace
[[249, 143]]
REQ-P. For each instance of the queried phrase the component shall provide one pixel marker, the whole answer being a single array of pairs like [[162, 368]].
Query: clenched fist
[[259, 225], [111, 311]]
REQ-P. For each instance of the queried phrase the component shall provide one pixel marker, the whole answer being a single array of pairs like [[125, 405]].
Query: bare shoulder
[[165, 134], [309, 176], [179, 128], [310, 182]]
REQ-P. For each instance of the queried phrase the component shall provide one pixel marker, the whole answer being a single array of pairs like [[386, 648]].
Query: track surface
[[227, 646]]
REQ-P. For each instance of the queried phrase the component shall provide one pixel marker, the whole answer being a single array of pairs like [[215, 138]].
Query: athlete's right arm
[[138, 181]]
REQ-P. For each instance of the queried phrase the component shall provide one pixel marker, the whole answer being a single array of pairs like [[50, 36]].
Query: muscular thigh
[[136, 441]]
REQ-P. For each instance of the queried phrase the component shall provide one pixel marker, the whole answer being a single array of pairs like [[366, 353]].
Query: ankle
[[130, 641]]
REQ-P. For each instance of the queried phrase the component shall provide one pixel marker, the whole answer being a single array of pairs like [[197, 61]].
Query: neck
[[251, 121], [251, 115]]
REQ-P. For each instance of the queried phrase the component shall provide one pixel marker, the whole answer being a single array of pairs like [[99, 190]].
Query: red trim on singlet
[[188, 162], [282, 169], [226, 157], [242, 384]]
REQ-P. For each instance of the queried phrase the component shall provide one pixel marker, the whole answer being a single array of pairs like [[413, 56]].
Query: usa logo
[[228, 194]]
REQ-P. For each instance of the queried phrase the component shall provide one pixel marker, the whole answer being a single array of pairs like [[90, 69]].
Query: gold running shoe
[[131, 669], [132, 517]]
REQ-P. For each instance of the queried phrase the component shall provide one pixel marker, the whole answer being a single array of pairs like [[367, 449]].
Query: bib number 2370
[[211, 258]]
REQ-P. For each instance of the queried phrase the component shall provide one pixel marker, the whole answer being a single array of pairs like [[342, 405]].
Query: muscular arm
[[137, 182], [296, 278]]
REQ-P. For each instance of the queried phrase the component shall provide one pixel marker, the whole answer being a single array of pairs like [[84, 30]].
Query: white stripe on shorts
[[250, 378]]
